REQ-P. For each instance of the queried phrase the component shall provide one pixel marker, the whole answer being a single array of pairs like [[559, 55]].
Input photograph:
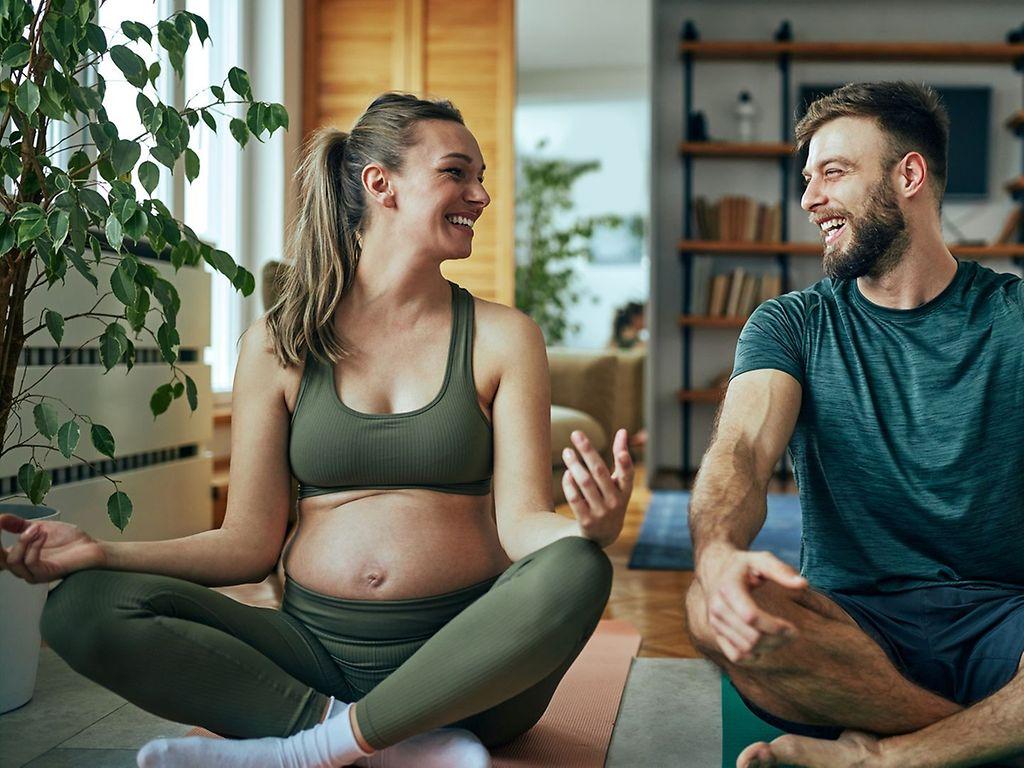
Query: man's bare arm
[[753, 428], [729, 506]]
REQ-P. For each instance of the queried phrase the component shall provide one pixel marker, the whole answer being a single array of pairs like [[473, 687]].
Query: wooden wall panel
[[356, 49]]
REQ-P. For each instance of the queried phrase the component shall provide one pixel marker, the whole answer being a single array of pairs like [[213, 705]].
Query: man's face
[[850, 197]]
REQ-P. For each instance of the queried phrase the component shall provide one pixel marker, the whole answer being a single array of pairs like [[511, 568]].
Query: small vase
[[21, 606]]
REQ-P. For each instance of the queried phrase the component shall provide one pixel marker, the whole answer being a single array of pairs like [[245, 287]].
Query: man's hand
[[596, 496], [742, 629], [47, 550]]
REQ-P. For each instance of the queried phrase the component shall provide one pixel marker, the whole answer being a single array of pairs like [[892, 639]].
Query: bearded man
[[898, 385]]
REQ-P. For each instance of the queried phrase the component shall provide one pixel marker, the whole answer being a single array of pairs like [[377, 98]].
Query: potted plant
[[548, 247], [72, 211]]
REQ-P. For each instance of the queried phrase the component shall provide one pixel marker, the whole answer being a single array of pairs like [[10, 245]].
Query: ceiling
[[579, 34]]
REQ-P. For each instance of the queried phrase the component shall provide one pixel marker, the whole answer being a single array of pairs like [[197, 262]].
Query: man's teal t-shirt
[[909, 447]]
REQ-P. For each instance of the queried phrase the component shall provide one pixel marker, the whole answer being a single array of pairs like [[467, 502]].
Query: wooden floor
[[651, 600]]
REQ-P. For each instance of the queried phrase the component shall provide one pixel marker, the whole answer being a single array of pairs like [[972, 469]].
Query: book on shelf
[[737, 218], [729, 294]]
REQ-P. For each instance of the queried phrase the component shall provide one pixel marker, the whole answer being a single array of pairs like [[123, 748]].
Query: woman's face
[[439, 195]]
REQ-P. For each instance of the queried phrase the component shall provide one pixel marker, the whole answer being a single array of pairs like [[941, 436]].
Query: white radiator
[[164, 463]]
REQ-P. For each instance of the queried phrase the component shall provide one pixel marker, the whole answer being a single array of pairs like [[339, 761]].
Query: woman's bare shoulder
[[505, 328], [259, 366]]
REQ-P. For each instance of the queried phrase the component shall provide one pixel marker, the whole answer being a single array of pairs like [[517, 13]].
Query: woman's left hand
[[596, 496]]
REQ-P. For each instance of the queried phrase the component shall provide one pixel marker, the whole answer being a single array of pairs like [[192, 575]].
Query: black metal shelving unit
[[783, 50]]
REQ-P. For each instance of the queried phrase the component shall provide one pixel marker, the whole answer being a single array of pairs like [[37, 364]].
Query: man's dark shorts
[[963, 642]]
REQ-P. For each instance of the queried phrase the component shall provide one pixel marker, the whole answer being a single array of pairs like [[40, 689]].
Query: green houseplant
[[72, 211], [547, 247]]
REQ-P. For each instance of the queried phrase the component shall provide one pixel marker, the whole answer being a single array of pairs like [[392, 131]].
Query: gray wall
[[716, 85]]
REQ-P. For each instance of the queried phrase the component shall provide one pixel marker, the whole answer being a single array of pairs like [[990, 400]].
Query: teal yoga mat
[[740, 726]]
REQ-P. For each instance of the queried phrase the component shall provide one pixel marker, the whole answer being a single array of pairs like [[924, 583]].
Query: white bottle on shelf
[[746, 112]]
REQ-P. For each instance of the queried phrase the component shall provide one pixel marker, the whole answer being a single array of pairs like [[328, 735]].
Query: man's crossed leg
[[834, 676]]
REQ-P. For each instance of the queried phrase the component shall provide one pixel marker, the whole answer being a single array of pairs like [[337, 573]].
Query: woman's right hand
[[47, 550]]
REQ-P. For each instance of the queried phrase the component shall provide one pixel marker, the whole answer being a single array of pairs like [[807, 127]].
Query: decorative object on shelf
[[746, 113], [697, 127], [547, 249]]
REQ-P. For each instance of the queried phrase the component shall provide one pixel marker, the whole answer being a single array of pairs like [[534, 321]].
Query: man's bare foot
[[852, 750]]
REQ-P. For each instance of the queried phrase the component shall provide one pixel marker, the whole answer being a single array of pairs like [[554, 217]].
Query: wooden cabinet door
[[465, 52]]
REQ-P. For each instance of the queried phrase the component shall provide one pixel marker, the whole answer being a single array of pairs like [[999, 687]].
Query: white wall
[[594, 114], [716, 85]]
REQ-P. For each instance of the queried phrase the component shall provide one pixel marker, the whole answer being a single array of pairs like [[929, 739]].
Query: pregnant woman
[[429, 584]]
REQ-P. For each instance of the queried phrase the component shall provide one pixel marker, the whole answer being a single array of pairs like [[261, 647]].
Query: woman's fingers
[[624, 469], [16, 554], [574, 497], [584, 480], [32, 554], [598, 470]]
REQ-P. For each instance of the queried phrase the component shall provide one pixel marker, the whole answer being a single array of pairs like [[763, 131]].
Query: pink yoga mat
[[577, 727]]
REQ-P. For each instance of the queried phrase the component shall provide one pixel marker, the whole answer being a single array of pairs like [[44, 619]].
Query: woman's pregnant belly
[[394, 544]]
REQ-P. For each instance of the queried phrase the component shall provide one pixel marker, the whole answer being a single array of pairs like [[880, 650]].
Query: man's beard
[[877, 241]]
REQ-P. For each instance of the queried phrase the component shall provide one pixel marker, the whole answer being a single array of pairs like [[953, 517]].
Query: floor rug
[[577, 726], [664, 540]]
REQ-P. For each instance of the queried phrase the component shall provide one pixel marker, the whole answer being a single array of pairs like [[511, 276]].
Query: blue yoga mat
[[664, 542]]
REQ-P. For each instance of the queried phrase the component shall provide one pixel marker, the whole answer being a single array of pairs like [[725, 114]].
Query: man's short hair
[[911, 116]]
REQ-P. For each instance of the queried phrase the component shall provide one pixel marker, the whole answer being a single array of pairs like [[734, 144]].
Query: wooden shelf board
[[712, 395], [765, 149], [737, 248], [749, 248], [854, 51], [707, 321]]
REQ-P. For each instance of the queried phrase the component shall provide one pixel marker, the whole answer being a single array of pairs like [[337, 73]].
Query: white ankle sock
[[443, 748], [327, 745]]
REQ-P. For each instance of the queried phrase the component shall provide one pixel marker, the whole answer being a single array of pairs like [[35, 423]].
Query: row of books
[[733, 294], [738, 218]]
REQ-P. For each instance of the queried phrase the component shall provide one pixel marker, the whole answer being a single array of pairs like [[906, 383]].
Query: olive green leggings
[[487, 657]]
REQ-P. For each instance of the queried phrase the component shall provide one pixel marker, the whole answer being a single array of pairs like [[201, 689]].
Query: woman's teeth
[[460, 221]]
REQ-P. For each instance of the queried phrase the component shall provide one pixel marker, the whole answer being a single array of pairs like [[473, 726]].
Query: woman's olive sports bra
[[444, 446]]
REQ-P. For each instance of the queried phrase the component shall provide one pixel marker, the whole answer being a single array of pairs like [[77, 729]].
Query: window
[[207, 204], [211, 202]]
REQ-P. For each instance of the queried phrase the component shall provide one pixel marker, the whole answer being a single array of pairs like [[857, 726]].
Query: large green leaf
[[27, 98], [79, 264], [115, 233], [191, 165], [277, 117], [223, 263], [124, 156], [167, 338], [244, 281], [123, 284], [191, 392], [135, 30], [26, 472], [16, 55], [161, 399], [164, 156], [119, 509], [202, 30], [149, 176], [239, 131], [39, 486], [46, 419], [113, 344], [94, 201], [67, 438], [239, 82], [254, 119], [96, 38], [55, 325], [132, 66], [102, 440], [209, 119]]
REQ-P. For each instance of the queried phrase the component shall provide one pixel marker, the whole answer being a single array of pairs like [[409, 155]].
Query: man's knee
[[769, 597]]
